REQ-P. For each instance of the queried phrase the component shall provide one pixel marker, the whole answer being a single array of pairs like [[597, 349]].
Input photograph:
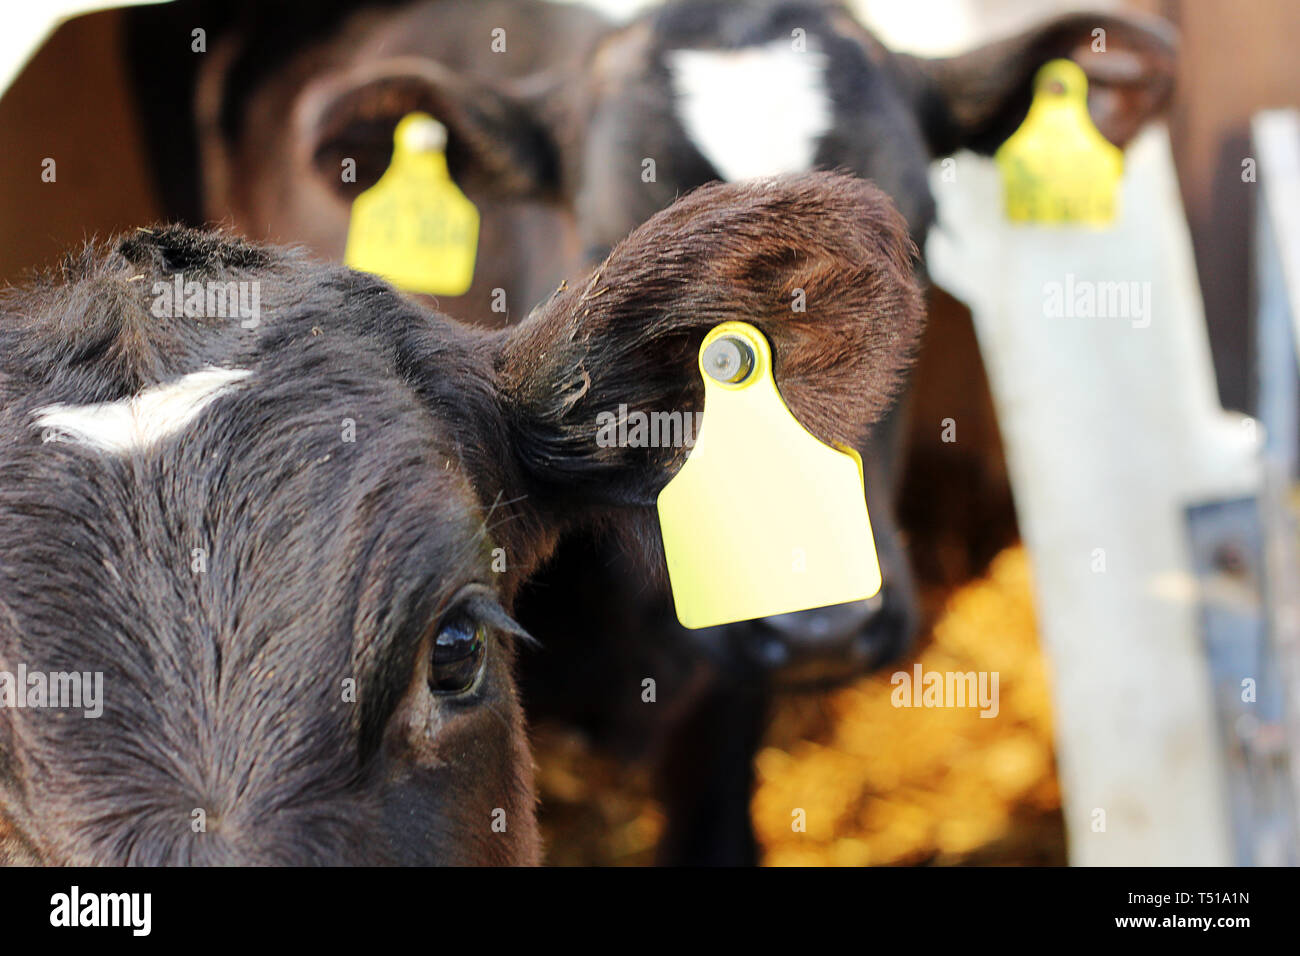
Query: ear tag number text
[[1057, 168], [414, 227]]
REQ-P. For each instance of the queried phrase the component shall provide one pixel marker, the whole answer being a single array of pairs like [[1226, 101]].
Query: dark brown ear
[[497, 144], [978, 99], [754, 251]]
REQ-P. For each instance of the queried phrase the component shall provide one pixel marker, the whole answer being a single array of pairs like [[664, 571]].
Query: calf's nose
[[821, 629], [830, 644]]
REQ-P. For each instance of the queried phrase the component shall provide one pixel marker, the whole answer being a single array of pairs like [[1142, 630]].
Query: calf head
[[289, 545], [708, 89], [711, 89], [278, 114]]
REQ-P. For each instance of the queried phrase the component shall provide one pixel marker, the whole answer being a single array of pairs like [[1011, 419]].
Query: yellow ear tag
[[415, 227], [1057, 168], [763, 518]]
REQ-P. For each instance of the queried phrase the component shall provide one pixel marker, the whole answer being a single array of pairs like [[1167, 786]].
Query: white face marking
[[132, 424], [759, 111]]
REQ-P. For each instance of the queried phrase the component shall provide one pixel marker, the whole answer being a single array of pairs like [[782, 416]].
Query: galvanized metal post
[[1112, 428], [1276, 147]]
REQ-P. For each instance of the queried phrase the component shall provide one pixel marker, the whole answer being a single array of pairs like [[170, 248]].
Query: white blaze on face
[[132, 424], [758, 111]]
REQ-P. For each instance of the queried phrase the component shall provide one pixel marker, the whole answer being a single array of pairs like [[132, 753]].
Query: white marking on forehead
[[758, 111], [132, 424]]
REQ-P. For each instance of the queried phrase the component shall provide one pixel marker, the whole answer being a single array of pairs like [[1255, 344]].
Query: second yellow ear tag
[[1057, 168], [763, 518], [415, 227]]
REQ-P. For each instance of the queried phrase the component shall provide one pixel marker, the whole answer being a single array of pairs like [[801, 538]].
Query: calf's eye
[[457, 656]]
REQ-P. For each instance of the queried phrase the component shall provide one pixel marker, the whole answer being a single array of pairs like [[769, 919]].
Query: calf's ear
[[820, 263], [497, 142], [978, 99]]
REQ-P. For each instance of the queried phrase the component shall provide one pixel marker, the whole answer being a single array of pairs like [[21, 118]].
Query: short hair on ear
[[630, 335]]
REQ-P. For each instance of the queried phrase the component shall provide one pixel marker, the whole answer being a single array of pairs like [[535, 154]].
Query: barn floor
[[878, 784]]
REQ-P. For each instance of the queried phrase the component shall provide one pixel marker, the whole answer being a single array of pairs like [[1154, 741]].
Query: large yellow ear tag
[[1057, 168], [415, 227], [762, 518]]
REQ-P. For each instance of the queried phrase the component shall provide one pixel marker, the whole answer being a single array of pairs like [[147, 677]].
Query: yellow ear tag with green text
[[763, 518], [1057, 168], [414, 227]]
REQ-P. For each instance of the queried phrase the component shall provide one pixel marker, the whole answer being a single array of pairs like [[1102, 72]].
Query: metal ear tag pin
[[763, 518], [415, 227]]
